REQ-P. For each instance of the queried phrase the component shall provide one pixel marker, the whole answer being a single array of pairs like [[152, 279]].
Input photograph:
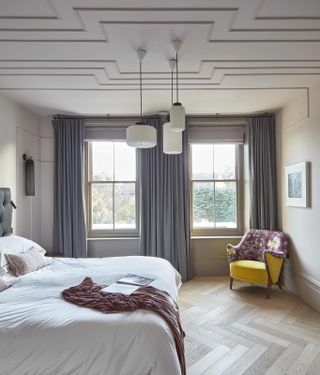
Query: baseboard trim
[[305, 286], [311, 280]]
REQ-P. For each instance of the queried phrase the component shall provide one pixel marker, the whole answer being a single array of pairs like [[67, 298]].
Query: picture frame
[[297, 184]]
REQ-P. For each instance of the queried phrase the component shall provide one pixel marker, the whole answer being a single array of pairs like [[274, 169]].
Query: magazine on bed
[[120, 288], [127, 284], [132, 279]]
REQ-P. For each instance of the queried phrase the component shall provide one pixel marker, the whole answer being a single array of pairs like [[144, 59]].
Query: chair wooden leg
[[279, 285], [231, 282], [269, 287]]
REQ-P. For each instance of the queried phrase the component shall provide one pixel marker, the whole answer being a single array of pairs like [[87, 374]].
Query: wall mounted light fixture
[[29, 175]]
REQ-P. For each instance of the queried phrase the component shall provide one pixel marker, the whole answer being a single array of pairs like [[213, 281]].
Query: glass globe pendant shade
[[141, 135], [177, 117], [172, 141]]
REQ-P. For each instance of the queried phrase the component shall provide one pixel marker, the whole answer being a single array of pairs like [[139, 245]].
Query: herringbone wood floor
[[241, 332]]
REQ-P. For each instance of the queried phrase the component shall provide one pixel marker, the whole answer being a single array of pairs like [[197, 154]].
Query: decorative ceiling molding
[[209, 16], [89, 45]]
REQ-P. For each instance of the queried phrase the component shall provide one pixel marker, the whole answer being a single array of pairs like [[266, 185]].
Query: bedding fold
[[88, 294], [40, 333]]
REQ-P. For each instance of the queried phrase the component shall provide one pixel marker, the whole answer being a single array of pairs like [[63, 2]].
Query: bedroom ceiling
[[78, 56]]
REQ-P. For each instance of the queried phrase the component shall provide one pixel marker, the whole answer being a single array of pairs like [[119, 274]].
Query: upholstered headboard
[[5, 212]]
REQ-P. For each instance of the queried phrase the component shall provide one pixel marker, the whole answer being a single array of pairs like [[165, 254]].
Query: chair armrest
[[275, 253], [273, 265], [232, 252]]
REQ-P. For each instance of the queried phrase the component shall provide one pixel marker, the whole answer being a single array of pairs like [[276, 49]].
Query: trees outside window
[[215, 188], [112, 189]]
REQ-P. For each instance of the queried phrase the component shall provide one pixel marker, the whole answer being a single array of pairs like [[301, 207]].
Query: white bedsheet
[[42, 334]]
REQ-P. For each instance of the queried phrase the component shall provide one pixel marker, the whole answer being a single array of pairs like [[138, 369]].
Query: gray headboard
[[5, 212]]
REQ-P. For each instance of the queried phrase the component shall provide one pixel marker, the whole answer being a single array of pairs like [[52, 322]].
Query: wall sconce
[[13, 205], [29, 175]]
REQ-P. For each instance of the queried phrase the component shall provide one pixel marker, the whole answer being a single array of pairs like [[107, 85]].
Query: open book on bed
[[127, 284], [132, 279]]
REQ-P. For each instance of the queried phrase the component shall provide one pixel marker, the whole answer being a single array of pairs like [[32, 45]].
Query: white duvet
[[42, 334]]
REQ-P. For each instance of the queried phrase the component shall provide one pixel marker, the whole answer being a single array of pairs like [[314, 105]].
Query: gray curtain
[[69, 231], [165, 227], [262, 167]]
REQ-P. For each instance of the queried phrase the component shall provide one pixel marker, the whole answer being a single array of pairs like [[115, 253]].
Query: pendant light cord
[[177, 74], [140, 76], [171, 86]]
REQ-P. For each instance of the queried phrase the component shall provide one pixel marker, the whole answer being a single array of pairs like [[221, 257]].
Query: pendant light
[[172, 140], [177, 111], [141, 135]]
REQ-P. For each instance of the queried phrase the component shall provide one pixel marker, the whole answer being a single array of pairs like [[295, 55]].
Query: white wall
[[298, 140], [28, 207], [46, 168], [19, 133], [100, 247], [209, 257]]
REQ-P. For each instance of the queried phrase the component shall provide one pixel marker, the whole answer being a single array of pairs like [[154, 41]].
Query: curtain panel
[[69, 231], [165, 220], [262, 169]]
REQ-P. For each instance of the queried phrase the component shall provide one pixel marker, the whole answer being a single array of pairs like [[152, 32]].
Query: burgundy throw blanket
[[87, 294]]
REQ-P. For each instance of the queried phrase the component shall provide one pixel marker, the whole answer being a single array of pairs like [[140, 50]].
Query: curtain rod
[[107, 117], [83, 117]]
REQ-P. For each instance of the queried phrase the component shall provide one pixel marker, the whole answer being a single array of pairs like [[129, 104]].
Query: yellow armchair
[[258, 258]]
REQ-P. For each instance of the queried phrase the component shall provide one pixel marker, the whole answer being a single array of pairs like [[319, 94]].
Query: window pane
[[202, 162], [224, 162], [125, 162], [226, 204], [203, 204], [124, 206], [102, 161], [102, 206]]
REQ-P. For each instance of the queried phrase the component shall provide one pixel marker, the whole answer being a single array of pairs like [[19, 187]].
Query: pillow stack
[[20, 255]]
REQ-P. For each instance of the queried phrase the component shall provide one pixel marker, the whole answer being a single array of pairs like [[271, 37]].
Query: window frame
[[239, 166], [109, 233]]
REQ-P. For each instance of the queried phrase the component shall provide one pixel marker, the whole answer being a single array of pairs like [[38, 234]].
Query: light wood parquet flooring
[[241, 332]]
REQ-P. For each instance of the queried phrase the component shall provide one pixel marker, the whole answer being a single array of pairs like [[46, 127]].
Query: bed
[[42, 334]]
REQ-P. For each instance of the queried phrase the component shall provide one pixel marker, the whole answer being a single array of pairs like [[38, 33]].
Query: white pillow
[[9, 277], [3, 285], [3, 269], [15, 244], [29, 261]]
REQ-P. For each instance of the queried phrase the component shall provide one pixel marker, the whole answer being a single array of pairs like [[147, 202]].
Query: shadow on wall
[[290, 277]]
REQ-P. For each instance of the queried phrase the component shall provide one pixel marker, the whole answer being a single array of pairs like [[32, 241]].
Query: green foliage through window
[[113, 186], [214, 200]]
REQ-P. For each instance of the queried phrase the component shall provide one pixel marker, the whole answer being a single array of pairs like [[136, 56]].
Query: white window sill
[[214, 237], [111, 238]]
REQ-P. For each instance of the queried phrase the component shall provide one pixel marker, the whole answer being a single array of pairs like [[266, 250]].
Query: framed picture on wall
[[297, 184]]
